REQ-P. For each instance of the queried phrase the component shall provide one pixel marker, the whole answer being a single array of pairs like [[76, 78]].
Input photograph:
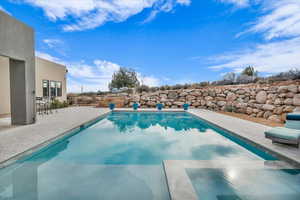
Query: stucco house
[[50, 81]]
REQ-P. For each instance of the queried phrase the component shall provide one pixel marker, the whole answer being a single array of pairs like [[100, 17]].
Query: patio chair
[[290, 134]]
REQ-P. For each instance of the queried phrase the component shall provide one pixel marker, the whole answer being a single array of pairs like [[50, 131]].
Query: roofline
[[51, 61]]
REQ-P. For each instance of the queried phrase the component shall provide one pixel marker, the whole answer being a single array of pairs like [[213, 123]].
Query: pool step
[[179, 184]]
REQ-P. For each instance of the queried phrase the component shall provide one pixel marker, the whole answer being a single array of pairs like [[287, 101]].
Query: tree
[[249, 71], [230, 76], [124, 78]]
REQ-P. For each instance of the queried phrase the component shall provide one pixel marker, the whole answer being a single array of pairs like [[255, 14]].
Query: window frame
[[48, 90]]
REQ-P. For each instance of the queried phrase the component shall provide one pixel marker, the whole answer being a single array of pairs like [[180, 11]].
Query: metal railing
[[45, 105]]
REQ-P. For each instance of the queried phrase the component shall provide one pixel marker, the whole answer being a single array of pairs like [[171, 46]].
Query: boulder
[[296, 100], [268, 107], [283, 89], [260, 114], [209, 98], [178, 103], [277, 101], [231, 96], [210, 104], [241, 92], [183, 94], [288, 101], [249, 110], [267, 114], [290, 95], [292, 88], [275, 118], [164, 96], [172, 95], [221, 103], [261, 97], [190, 97], [196, 104], [196, 93], [297, 110], [255, 110], [278, 110], [288, 109]]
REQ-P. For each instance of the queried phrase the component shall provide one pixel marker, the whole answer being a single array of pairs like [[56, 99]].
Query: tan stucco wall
[[45, 70], [4, 86]]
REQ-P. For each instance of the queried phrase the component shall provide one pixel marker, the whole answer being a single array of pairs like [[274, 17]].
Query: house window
[[58, 89], [53, 88], [45, 88]]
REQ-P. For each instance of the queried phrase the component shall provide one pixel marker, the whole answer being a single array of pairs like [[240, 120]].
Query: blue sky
[[165, 41]]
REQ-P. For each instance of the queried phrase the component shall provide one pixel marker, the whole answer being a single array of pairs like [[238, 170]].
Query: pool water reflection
[[119, 157]]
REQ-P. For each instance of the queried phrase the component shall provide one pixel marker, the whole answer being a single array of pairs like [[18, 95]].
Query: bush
[[177, 87], [230, 108], [57, 104], [244, 79], [292, 74], [143, 88]]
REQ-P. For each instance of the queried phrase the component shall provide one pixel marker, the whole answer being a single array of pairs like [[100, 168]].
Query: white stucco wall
[[4, 86], [46, 70]]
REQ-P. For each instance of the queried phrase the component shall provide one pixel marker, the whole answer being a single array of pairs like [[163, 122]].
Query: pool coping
[[39, 147]]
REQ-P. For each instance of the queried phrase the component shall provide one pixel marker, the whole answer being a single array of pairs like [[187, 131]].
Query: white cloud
[[184, 2], [89, 14], [272, 57], [49, 57], [148, 80], [97, 76], [4, 10], [280, 19], [51, 43], [93, 77], [238, 3], [164, 6]]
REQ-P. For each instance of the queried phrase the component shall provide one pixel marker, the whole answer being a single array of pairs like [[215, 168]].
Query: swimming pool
[[120, 157]]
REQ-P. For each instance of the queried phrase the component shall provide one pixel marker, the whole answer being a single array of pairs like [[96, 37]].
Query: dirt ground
[[253, 119]]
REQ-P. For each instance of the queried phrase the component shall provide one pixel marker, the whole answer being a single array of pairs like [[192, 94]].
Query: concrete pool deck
[[16, 140]]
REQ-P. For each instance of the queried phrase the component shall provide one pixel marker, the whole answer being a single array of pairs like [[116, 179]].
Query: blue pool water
[[246, 184], [120, 157]]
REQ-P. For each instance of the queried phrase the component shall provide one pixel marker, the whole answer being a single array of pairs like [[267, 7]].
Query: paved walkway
[[19, 139], [251, 131]]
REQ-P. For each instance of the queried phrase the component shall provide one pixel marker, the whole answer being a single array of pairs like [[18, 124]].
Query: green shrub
[[230, 108], [57, 104]]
